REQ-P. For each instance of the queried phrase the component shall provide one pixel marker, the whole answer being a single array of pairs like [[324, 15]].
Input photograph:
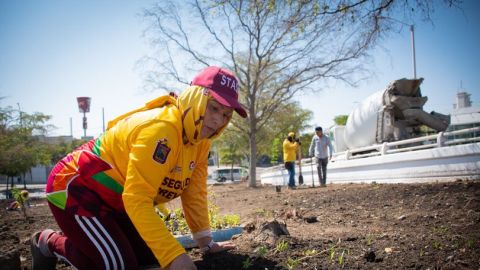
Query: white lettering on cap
[[229, 82]]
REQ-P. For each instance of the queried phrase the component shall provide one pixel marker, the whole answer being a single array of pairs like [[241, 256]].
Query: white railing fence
[[431, 141], [446, 155]]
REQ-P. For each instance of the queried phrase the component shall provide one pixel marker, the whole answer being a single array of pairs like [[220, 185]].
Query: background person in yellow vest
[[290, 148], [102, 195]]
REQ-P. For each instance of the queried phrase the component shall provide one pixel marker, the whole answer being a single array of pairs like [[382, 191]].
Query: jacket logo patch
[[177, 169], [161, 152], [191, 165]]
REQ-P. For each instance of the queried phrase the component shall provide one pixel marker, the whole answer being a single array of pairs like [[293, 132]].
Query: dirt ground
[[368, 226]]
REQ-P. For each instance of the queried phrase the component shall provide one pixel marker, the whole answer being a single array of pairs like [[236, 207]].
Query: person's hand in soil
[[182, 262], [222, 246]]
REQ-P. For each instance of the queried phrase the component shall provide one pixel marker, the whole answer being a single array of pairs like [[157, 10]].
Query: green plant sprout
[[332, 252], [282, 246], [247, 263], [292, 263], [262, 251], [470, 243], [341, 259], [21, 198], [176, 223], [263, 212], [370, 239], [310, 252], [440, 230], [218, 221], [436, 244], [313, 253]]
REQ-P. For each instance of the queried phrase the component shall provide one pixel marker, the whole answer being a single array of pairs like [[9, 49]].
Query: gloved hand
[[298, 141]]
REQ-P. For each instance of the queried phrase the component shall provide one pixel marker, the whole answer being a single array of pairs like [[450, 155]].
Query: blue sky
[[447, 55], [53, 51]]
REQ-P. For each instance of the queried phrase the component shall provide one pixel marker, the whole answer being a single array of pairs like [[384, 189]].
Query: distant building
[[464, 115], [463, 101], [55, 139]]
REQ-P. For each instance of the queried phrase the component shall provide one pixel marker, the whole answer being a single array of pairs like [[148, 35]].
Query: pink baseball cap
[[223, 86]]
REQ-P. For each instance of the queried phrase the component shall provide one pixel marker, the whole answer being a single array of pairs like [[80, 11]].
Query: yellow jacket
[[289, 151], [156, 155]]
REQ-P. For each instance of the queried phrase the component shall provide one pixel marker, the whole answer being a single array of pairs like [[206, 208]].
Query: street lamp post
[[412, 34], [84, 107], [413, 51], [21, 127]]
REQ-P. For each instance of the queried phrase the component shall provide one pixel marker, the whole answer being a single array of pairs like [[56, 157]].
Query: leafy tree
[[306, 139], [340, 120], [231, 147], [277, 48], [60, 149], [19, 148], [289, 117], [276, 150]]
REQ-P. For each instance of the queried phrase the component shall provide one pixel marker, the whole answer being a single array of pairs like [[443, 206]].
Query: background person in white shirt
[[318, 148]]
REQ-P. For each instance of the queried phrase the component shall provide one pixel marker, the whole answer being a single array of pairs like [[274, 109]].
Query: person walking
[[318, 149], [103, 194], [290, 148]]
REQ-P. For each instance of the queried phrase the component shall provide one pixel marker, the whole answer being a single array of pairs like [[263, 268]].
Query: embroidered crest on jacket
[[161, 152]]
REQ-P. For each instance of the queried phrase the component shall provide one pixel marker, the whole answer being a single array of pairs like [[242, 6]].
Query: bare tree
[[276, 48]]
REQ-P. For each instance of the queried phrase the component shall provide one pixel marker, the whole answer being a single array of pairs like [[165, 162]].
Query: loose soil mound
[[419, 226]]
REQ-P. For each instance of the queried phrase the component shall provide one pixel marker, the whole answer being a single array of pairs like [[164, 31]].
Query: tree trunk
[[6, 190], [9, 192], [253, 151]]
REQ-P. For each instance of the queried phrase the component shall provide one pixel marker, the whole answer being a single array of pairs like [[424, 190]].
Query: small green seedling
[[437, 245], [310, 252], [282, 246], [470, 243], [247, 263], [262, 251], [442, 230], [263, 212], [369, 240], [21, 198], [341, 259], [292, 263], [332, 253], [176, 223]]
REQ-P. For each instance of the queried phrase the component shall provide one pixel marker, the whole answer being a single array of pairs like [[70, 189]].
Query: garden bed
[[419, 226]]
